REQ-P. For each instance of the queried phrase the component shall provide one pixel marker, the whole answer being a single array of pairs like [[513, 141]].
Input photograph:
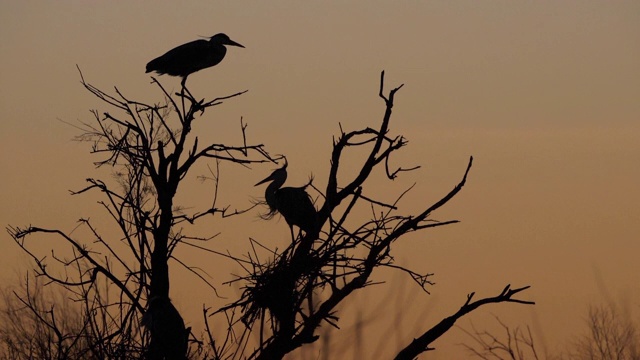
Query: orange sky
[[545, 96]]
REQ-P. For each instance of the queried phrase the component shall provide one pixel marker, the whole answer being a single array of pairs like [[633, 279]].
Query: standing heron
[[293, 203], [194, 56]]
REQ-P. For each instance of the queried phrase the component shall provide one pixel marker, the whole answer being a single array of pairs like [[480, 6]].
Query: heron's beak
[[233, 43], [269, 178]]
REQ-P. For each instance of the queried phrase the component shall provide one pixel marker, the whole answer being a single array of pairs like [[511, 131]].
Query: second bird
[[191, 57], [293, 203]]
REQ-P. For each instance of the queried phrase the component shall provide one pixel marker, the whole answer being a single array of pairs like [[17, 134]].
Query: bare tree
[[36, 323], [288, 295], [514, 344], [151, 149], [611, 335]]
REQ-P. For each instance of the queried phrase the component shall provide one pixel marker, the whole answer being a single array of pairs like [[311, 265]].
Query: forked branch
[[422, 343]]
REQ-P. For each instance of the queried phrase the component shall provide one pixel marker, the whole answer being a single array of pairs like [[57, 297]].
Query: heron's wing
[[296, 207], [187, 58]]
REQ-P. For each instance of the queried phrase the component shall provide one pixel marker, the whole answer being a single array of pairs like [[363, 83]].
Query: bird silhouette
[[169, 337], [293, 203], [194, 56]]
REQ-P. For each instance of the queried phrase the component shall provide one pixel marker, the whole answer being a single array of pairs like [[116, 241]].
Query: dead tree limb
[[423, 342]]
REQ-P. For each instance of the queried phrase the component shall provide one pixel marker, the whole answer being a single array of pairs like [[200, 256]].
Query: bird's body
[[169, 337], [191, 57], [293, 203]]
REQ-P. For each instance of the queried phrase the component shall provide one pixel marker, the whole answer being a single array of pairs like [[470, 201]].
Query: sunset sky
[[545, 95]]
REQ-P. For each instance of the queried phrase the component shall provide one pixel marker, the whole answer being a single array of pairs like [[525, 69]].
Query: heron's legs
[[184, 88]]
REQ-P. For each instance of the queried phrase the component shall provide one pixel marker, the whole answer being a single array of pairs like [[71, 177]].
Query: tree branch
[[421, 344]]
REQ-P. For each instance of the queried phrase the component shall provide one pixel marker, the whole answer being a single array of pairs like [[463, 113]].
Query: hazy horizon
[[544, 95]]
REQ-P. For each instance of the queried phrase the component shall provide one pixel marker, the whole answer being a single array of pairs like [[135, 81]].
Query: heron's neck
[[270, 193]]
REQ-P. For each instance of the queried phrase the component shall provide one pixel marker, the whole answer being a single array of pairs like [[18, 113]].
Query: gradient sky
[[545, 95]]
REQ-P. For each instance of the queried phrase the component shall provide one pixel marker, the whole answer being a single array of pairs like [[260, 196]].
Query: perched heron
[[188, 58], [293, 203], [169, 337]]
